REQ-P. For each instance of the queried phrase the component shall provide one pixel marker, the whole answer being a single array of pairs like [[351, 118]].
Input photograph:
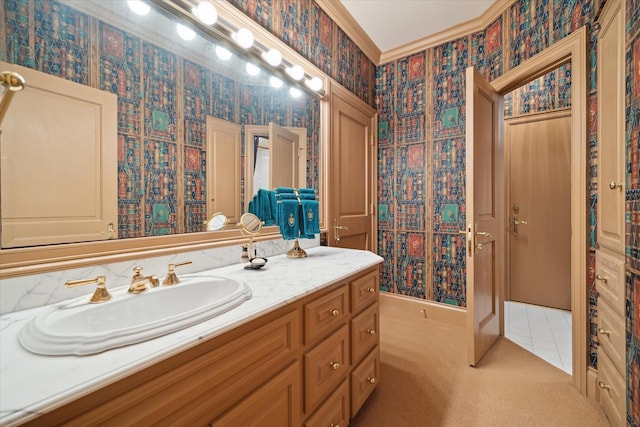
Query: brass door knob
[[371, 380], [335, 312], [613, 185], [371, 331], [335, 366], [371, 291], [603, 385], [602, 278], [604, 332]]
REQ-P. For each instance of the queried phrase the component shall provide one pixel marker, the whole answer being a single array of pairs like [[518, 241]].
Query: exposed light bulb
[[296, 72], [223, 53], [244, 38], [138, 7], [295, 93], [273, 57], [252, 69], [185, 32], [206, 12], [275, 82], [314, 83]]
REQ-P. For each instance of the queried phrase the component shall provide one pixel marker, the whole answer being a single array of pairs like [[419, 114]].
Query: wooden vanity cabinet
[[298, 365]]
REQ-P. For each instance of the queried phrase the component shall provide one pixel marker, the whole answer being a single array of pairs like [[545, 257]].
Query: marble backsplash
[[21, 293]]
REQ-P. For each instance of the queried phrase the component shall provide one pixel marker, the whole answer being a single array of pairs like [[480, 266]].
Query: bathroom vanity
[[302, 351]]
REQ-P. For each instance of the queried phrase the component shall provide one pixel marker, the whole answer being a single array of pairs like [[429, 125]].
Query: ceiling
[[393, 23]]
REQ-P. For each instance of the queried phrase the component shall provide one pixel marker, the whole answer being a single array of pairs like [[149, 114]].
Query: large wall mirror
[[161, 94]]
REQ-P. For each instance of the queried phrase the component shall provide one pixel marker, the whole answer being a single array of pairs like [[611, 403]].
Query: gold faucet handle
[[100, 295], [171, 278], [137, 271]]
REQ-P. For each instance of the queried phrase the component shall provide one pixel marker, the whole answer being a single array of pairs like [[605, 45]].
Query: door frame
[[572, 49]]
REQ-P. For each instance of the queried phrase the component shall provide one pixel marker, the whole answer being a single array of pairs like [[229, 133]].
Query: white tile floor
[[544, 331]]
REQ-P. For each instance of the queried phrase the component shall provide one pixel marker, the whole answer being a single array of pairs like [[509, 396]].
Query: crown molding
[[341, 16], [452, 33]]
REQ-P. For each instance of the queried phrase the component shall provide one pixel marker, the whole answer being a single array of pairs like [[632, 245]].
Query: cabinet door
[[611, 114], [276, 403]]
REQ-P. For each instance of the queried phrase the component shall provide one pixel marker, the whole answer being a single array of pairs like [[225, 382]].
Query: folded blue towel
[[284, 190], [309, 221], [287, 196], [264, 206], [307, 196], [307, 191], [274, 207], [288, 219]]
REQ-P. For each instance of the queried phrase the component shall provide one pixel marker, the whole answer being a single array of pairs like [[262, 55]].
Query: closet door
[[611, 145]]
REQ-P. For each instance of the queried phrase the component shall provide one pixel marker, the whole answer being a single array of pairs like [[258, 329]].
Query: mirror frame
[[41, 259]]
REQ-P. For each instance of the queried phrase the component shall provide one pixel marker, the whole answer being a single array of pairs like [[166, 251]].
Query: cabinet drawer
[[276, 403], [612, 390], [364, 333], [334, 411], [364, 290], [610, 282], [364, 379], [326, 314], [611, 334], [325, 366]]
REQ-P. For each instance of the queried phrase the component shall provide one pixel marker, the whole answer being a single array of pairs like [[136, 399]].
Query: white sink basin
[[78, 327]]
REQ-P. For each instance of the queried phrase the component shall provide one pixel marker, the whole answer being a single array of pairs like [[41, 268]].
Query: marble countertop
[[32, 384]]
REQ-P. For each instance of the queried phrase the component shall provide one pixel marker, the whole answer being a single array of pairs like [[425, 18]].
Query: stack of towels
[[264, 206], [297, 213]]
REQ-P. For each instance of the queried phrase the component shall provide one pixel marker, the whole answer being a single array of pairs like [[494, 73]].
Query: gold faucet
[[171, 278], [100, 295], [140, 283]]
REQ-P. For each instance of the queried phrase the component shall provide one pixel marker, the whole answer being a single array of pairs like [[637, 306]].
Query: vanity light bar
[[223, 32]]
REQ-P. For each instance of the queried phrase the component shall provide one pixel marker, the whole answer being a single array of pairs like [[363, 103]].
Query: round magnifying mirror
[[217, 222], [250, 223]]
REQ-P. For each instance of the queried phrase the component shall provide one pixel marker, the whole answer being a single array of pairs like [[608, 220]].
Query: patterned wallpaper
[[163, 102]]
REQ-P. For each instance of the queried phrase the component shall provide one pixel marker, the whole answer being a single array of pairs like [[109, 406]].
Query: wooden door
[[484, 204], [59, 163], [539, 207], [283, 157], [223, 168], [352, 173]]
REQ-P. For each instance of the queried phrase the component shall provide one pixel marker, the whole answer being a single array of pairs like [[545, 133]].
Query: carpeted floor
[[425, 381]]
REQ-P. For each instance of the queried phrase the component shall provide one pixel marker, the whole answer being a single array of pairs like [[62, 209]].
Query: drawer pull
[[334, 365], [603, 278], [371, 291], [334, 312], [371, 380], [604, 332], [371, 331], [603, 385], [334, 425]]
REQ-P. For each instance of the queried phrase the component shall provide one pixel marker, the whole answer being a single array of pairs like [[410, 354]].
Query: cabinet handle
[[371, 291], [604, 332], [603, 278], [371, 380], [334, 312], [603, 385], [334, 365], [334, 425], [371, 331]]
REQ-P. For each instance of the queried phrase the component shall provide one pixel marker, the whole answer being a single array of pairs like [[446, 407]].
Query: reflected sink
[[78, 327]]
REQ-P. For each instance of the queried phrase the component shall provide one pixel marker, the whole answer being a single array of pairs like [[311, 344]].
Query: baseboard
[[593, 391], [425, 309]]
